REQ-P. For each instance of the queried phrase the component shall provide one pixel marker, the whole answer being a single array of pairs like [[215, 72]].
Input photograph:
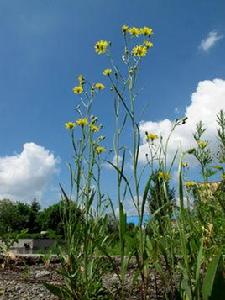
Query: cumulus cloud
[[24, 176], [130, 206], [212, 38], [114, 162], [206, 102]]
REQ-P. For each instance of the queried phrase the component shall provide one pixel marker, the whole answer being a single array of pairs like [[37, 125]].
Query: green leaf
[[123, 177], [146, 190], [180, 184], [219, 283], [191, 151], [199, 262], [55, 290], [210, 276], [123, 219], [220, 168], [186, 288]]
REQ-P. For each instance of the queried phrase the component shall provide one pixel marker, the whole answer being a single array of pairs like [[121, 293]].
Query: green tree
[[52, 218], [16, 216], [33, 223], [8, 216]]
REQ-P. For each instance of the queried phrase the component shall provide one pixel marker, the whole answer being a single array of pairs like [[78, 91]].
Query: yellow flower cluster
[[100, 149], [94, 127], [151, 136], [139, 50], [70, 125], [165, 176], [190, 184], [101, 46], [79, 89], [136, 31], [107, 72], [82, 122]]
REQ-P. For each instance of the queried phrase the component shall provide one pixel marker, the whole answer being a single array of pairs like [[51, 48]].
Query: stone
[[40, 274]]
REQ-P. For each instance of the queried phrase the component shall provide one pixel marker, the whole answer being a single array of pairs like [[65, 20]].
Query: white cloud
[[206, 102], [24, 176], [114, 162], [130, 207], [117, 158], [212, 38]]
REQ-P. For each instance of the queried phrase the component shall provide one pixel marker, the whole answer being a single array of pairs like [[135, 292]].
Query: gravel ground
[[24, 281]]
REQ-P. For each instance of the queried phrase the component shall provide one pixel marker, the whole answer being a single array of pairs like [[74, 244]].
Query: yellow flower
[[202, 144], [164, 176], [94, 128], [134, 31], [81, 79], [148, 44], [82, 122], [70, 125], [107, 72], [146, 31], [78, 89], [100, 149], [190, 184], [151, 136], [99, 86], [101, 46], [125, 28], [139, 50]]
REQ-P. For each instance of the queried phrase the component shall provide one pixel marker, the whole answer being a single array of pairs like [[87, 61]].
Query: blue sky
[[46, 44]]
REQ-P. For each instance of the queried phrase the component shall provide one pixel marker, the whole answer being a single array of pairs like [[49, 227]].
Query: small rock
[[40, 274]]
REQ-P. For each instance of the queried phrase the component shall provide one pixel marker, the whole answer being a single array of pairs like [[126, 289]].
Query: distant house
[[29, 246]]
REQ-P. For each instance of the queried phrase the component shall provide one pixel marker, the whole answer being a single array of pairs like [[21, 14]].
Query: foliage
[[50, 219], [159, 204], [16, 216], [221, 136], [85, 233], [183, 243]]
